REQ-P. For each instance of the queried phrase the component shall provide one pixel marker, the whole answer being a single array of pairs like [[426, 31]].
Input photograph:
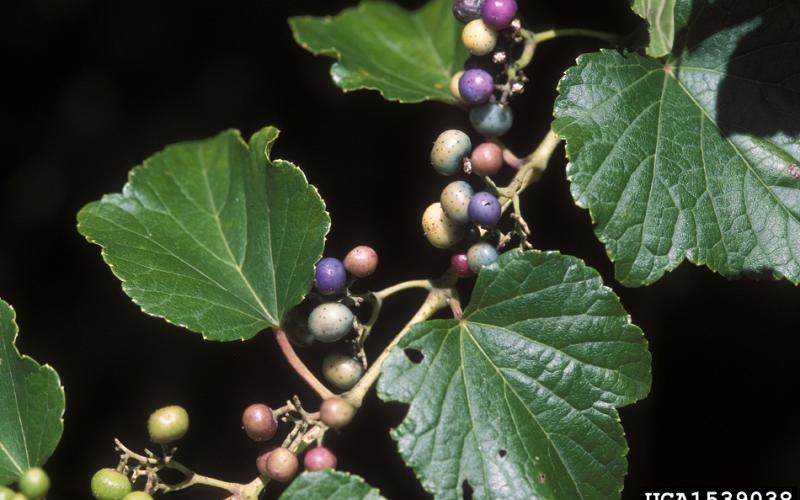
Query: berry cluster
[[33, 485]]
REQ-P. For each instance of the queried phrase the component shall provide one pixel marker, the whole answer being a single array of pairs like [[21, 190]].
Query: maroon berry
[[281, 465], [259, 423], [486, 159], [261, 460], [361, 261], [460, 265], [319, 458], [336, 413]]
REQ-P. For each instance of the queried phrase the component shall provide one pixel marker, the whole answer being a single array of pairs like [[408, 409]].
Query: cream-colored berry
[[478, 38], [455, 201], [341, 371], [449, 151], [454, 85], [441, 230]]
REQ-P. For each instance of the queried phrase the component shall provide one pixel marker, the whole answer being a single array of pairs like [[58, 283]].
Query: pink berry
[[259, 423], [361, 261], [460, 265], [319, 458], [486, 159]]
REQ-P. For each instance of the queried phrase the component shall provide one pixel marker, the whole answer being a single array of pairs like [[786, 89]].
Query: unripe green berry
[[330, 321], [282, 465], [455, 200], [168, 424], [108, 484], [20, 496], [341, 371], [449, 151], [336, 413], [478, 38], [137, 495], [441, 230], [6, 493], [34, 484]]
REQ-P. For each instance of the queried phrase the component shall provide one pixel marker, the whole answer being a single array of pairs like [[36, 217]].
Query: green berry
[[330, 321], [6, 493], [342, 371], [455, 200], [441, 230], [449, 151], [34, 484], [20, 496], [108, 484], [168, 424], [137, 495], [478, 38]]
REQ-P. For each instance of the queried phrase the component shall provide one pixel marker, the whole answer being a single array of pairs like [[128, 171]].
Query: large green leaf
[[519, 398], [329, 484], [212, 235], [31, 406], [406, 56], [660, 16], [695, 158]]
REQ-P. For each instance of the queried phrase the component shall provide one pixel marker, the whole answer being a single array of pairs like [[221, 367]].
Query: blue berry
[[330, 321], [467, 10], [491, 119], [481, 255], [498, 14], [476, 86], [330, 276], [449, 150], [484, 209]]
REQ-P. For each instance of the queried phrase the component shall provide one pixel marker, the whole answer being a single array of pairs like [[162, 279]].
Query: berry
[[498, 14], [259, 423], [168, 424], [491, 119], [295, 324], [6, 493], [330, 321], [441, 230], [336, 413], [454, 85], [478, 38], [330, 276], [34, 483], [467, 10], [281, 465], [476, 86], [342, 371], [460, 265], [319, 458], [108, 484], [486, 159], [137, 495], [455, 200], [261, 460], [19, 496], [449, 150], [361, 261], [484, 209], [481, 255]]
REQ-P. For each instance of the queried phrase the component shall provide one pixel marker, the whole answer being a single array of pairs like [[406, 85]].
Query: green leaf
[[406, 56], [520, 397], [695, 158], [212, 235], [329, 484], [31, 406], [660, 16]]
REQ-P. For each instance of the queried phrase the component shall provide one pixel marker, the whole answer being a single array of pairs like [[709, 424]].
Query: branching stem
[[557, 33]]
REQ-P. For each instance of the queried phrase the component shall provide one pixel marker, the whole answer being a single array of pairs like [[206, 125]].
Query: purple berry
[[460, 265], [498, 14], [467, 10], [484, 209], [476, 86], [330, 276]]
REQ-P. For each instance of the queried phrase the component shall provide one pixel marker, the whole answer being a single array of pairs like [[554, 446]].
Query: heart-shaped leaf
[[697, 157], [406, 56], [519, 398], [31, 406], [329, 484], [213, 235]]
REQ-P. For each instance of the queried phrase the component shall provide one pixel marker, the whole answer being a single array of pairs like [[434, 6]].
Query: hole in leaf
[[466, 488], [414, 355], [541, 477], [503, 453]]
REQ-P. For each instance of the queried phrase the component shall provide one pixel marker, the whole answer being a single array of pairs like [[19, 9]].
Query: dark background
[[94, 87]]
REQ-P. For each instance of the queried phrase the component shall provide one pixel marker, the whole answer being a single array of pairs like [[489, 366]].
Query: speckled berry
[[498, 14], [454, 86], [441, 230], [108, 484], [449, 150], [486, 159], [336, 413], [467, 10], [481, 255], [455, 200], [491, 119], [330, 321], [361, 261], [341, 371], [478, 38], [484, 209], [34, 484], [476, 86], [259, 423], [460, 265], [330, 276], [319, 458], [281, 465], [168, 424]]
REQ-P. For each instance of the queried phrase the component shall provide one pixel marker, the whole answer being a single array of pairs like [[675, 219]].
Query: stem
[[298, 365], [552, 34], [531, 170], [406, 285]]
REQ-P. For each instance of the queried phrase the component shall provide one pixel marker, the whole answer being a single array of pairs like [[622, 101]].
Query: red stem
[[298, 365]]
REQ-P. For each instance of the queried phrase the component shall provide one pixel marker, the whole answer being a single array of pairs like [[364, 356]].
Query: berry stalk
[[297, 364]]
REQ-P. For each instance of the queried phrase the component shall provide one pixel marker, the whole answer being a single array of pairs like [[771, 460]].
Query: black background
[[93, 88]]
